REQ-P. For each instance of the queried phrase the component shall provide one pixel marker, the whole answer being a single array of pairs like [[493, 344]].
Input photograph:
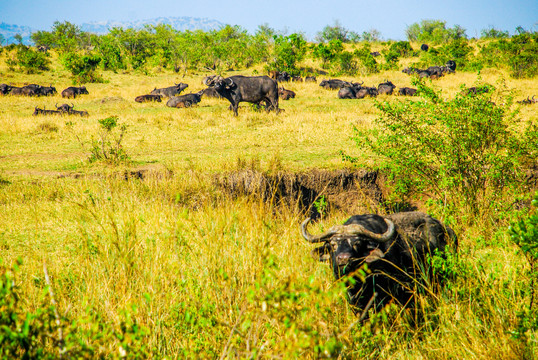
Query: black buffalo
[[334, 84], [407, 91], [5, 89], [38, 111], [170, 91], [210, 92], [146, 98], [186, 100], [74, 91], [393, 247], [424, 47], [528, 101], [310, 79], [350, 91], [285, 94], [252, 89], [386, 88], [65, 109], [451, 64]]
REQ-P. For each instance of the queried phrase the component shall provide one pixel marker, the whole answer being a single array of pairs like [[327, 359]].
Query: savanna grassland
[[169, 265]]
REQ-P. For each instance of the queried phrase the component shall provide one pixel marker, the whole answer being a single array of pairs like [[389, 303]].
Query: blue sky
[[390, 17]]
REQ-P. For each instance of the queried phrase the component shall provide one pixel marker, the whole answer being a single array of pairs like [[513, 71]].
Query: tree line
[[338, 50]]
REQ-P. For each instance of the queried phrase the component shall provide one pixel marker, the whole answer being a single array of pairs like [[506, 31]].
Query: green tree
[[434, 31], [335, 32], [492, 33], [327, 52], [67, 36], [372, 35], [288, 51], [464, 151], [82, 67], [29, 61]]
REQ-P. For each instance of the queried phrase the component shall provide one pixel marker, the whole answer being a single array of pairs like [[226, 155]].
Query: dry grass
[[196, 262]]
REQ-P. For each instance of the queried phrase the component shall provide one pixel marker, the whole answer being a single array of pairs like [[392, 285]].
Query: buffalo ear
[[321, 253]]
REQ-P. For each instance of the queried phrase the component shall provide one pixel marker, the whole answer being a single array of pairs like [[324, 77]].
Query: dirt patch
[[353, 191]]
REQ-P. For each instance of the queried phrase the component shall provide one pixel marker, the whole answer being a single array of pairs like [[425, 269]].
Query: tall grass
[[170, 266]]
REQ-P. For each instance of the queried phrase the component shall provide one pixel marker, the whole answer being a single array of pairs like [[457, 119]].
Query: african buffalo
[[43, 111], [395, 248], [350, 91], [252, 89], [424, 47], [145, 98], [74, 91], [47, 90], [285, 94], [407, 91], [528, 101], [386, 88], [333, 84], [283, 77], [212, 93], [296, 78], [65, 109], [186, 100], [170, 91], [310, 79], [451, 64], [5, 89], [365, 91]]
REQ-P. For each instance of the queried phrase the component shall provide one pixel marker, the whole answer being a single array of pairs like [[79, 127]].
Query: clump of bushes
[[28, 60]]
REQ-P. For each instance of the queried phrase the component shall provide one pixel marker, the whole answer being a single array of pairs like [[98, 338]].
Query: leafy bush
[[434, 31], [82, 67], [366, 62], [288, 52], [464, 151], [29, 60], [458, 50]]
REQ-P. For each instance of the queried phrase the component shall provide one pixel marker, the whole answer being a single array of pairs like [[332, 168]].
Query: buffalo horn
[[229, 85], [56, 105], [351, 229]]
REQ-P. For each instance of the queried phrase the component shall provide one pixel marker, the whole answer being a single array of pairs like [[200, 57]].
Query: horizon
[[286, 17]]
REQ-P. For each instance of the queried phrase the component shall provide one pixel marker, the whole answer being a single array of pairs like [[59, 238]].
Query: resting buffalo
[[333, 84], [393, 247], [65, 109], [170, 91], [285, 94], [297, 78], [528, 101], [386, 88], [212, 93], [5, 89], [407, 91], [252, 89], [350, 91], [451, 64], [145, 98], [74, 91], [43, 111], [186, 100], [283, 77], [47, 90], [310, 79], [424, 47]]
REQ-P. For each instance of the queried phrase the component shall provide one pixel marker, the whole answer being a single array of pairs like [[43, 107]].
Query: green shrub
[[288, 52], [82, 67], [464, 151], [28, 60]]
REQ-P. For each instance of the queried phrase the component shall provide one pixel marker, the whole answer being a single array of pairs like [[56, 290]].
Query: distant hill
[[8, 31], [178, 23]]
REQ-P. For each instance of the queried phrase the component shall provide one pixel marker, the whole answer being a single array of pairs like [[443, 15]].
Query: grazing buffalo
[[386, 88], [424, 47], [395, 249], [252, 89], [74, 91], [407, 91], [146, 98], [186, 100], [43, 111], [170, 91], [310, 79], [285, 94], [5, 89], [334, 84]]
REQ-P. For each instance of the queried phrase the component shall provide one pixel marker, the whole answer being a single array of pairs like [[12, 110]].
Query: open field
[[209, 273]]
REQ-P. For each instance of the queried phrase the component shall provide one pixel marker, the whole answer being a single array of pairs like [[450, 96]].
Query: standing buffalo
[[145, 98], [386, 88], [186, 100], [394, 248], [252, 89], [74, 91], [285, 94], [170, 91]]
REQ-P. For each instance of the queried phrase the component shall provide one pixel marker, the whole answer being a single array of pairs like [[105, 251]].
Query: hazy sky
[[390, 17]]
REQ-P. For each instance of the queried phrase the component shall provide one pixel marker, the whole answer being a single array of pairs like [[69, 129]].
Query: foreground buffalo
[[74, 91], [171, 90], [186, 100], [393, 247], [252, 89], [146, 98]]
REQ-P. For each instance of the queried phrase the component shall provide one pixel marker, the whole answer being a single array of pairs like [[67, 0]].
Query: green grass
[[213, 275]]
